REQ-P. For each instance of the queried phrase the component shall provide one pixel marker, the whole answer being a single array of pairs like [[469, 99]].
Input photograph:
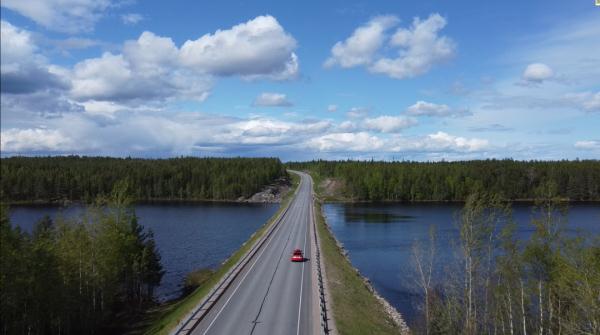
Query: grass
[[169, 315], [355, 308]]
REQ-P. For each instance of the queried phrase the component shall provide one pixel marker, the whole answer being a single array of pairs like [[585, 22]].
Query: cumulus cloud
[[255, 49], [332, 108], [537, 73], [153, 67], [22, 69], [438, 142], [420, 48], [361, 46], [388, 124], [34, 140], [423, 108], [365, 142], [69, 16], [346, 142], [271, 100], [442, 140], [121, 78], [587, 145], [131, 18]]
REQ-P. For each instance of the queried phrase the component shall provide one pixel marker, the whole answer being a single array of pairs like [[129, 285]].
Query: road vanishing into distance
[[272, 295]]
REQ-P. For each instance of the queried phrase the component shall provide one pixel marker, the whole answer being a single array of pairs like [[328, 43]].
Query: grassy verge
[[169, 316], [355, 308]]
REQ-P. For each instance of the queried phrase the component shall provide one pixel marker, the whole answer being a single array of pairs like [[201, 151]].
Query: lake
[[189, 236], [379, 240]]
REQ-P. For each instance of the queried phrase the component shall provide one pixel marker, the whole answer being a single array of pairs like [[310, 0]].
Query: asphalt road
[[272, 295]]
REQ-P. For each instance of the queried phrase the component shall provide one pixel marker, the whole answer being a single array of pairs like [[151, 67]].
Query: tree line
[[85, 178], [455, 181], [74, 276], [498, 284]]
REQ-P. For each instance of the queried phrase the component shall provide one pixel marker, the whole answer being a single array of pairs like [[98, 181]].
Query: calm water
[[379, 238], [189, 236]]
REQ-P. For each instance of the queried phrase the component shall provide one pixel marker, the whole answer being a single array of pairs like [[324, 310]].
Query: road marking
[[243, 278], [302, 283], [255, 322]]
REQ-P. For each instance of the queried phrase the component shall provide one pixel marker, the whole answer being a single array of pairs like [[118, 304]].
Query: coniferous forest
[[455, 181], [84, 178], [77, 276]]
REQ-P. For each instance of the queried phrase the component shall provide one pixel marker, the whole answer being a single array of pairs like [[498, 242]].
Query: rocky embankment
[[272, 193]]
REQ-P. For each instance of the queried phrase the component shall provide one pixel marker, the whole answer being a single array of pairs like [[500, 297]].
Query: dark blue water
[[379, 240], [189, 236]]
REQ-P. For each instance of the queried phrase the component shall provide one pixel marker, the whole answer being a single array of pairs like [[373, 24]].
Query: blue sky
[[418, 80]]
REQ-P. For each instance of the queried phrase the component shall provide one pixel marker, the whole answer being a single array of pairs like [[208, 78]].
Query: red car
[[297, 256]]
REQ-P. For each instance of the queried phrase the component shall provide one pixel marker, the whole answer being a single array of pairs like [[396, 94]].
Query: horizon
[[413, 82], [313, 160]]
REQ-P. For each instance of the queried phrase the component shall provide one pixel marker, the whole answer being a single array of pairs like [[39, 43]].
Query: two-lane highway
[[271, 295]]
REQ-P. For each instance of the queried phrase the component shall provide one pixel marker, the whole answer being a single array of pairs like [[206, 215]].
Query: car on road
[[297, 256]]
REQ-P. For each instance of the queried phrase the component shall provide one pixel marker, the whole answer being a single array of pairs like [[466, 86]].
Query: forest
[[455, 181], [499, 284], [50, 179], [77, 276]]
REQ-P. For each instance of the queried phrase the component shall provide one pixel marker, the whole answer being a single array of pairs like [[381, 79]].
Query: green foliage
[[74, 276], [455, 181], [85, 178], [549, 284]]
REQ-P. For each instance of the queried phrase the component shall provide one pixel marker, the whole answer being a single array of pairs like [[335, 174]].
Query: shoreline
[[393, 313], [277, 201]]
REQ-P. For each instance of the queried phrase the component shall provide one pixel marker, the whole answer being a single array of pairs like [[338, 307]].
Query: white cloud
[[537, 73], [17, 45], [357, 112], [587, 145], [69, 16], [24, 140], [151, 52], [586, 101], [255, 49], [423, 108], [124, 77], [22, 69], [152, 68], [347, 127], [438, 142], [131, 18], [420, 48], [346, 142], [361, 46], [271, 100], [389, 124], [442, 140], [332, 108]]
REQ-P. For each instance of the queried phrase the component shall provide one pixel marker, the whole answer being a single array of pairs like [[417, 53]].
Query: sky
[[301, 80]]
